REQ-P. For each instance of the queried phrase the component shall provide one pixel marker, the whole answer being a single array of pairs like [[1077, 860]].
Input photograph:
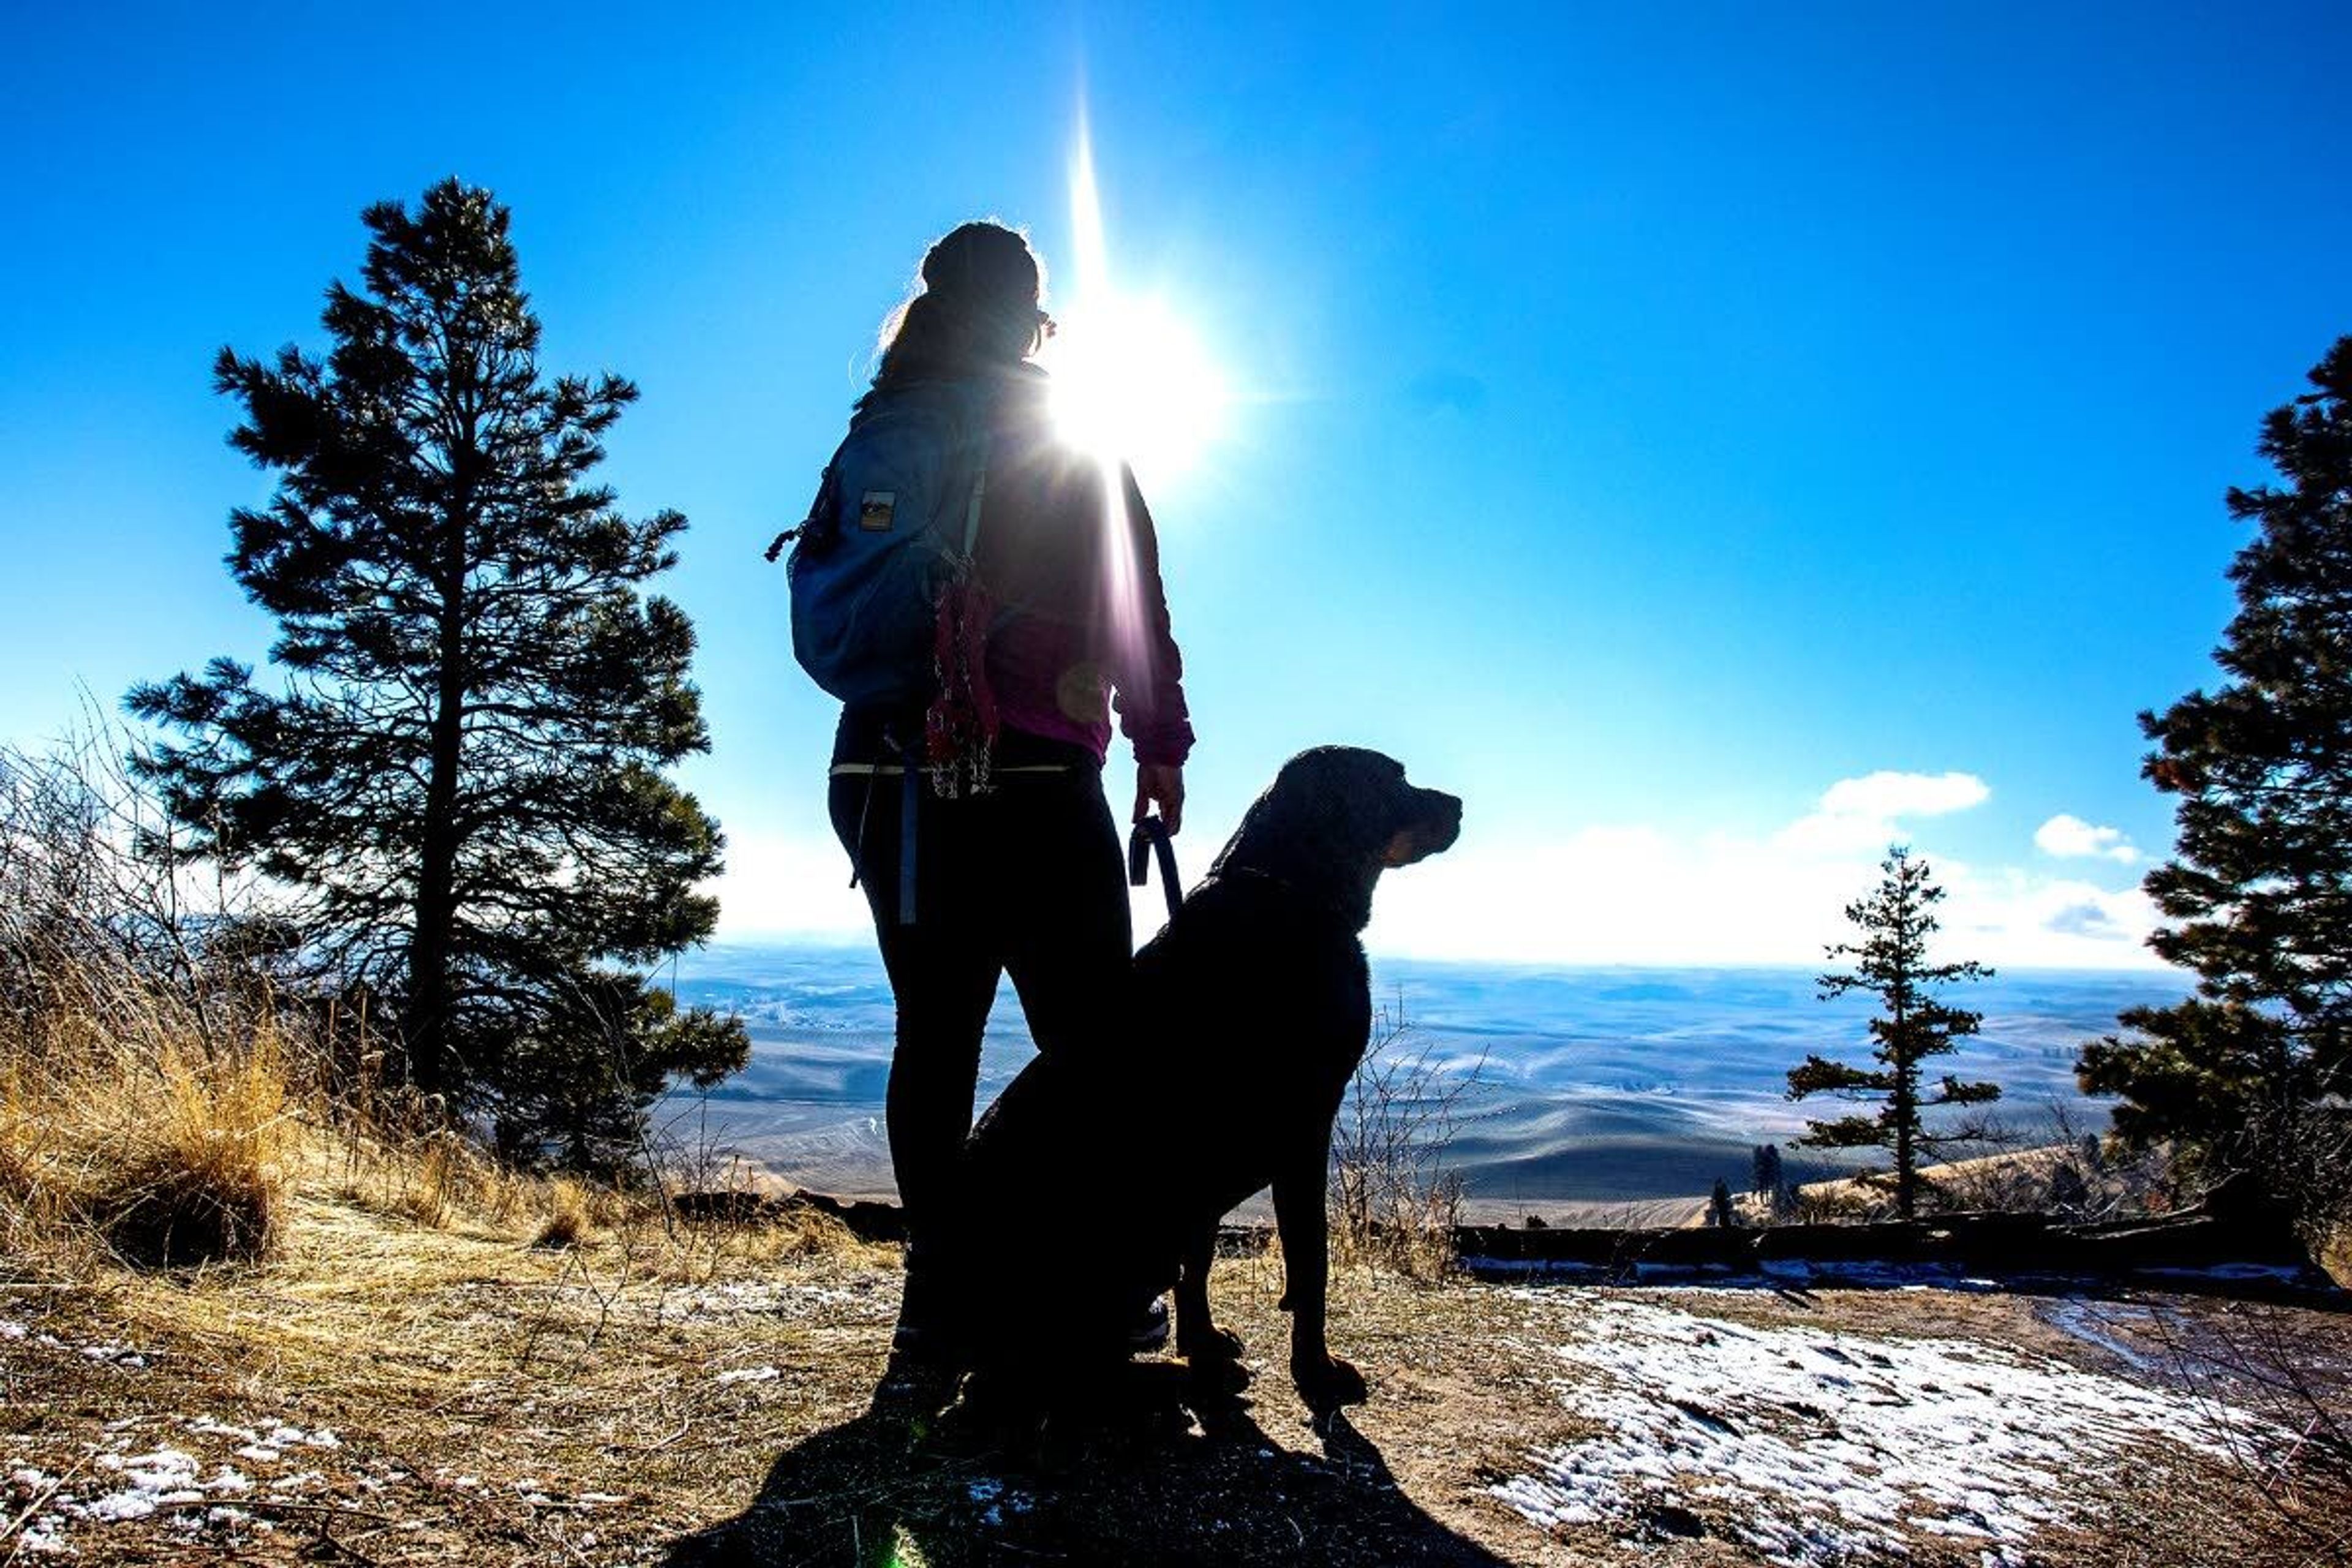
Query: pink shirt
[[1082, 629]]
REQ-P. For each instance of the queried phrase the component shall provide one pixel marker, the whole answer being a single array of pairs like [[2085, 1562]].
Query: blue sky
[[1712, 443]]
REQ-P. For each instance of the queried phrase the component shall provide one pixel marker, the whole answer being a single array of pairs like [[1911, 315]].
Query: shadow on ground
[[1152, 1476]]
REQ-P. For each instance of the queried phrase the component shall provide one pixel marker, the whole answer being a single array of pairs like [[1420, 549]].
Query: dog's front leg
[[1324, 1382], [1213, 1355], [1197, 1336]]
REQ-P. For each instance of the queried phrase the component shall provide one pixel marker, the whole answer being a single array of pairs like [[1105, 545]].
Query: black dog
[[1098, 1179]]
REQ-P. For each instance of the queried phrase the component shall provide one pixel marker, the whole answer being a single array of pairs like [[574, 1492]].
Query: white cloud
[[1638, 895], [2016, 916], [780, 886], [2070, 837], [1867, 812], [1611, 893], [1893, 794]]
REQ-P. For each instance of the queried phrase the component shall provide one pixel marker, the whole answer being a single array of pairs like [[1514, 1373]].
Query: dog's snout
[[1444, 818], [1433, 821]]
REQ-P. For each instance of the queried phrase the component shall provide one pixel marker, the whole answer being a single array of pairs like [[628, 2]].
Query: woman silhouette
[[1023, 874]]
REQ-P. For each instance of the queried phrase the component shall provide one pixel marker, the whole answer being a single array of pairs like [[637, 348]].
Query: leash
[[1150, 835]]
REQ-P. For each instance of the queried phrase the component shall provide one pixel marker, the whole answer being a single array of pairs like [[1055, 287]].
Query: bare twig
[[34, 1508]]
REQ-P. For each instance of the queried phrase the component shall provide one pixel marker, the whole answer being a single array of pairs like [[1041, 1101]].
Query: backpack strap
[[909, 811], [971, 510]]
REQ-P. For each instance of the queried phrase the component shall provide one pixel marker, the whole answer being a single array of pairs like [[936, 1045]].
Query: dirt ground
[[385, 1393]]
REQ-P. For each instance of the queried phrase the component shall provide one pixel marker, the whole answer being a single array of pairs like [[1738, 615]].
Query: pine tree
[[2258, 893], [1769, 1181], [1891, 963], [462, 778]]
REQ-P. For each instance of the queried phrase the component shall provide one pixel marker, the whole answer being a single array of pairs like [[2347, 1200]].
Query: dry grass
[[2335, 1254], [147, 1080], [2074, 1178], [155, 1146], [1954, 1185], [567, 1220], [161, 1099]]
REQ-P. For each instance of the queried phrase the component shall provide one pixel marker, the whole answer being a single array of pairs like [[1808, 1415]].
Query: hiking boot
[[1148, 1332], [927, 1328]]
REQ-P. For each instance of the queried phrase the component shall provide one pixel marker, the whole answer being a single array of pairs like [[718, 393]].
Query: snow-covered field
[[1817, 1447]]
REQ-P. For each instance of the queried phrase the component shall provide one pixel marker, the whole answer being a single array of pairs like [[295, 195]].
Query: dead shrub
[[165, 1157], [2318, 1184], [169, 1066], [567, 1220], [803, 1231], [1394, 1203], [2286, 1368], [144, 1074], [2336, 1253]]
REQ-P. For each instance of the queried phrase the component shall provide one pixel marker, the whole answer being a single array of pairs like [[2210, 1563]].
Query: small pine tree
[[1720, 1215], [1891, 963], [2070, 1195], [2258, 894], [1769, 1180], [463, 776]]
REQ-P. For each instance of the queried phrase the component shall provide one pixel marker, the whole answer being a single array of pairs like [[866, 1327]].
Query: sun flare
[[1132, 380]]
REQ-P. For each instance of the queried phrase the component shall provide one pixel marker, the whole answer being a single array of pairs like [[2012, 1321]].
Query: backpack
[[894, 523]]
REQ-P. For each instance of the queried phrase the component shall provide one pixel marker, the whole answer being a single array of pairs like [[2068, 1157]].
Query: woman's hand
[[1160, 784]]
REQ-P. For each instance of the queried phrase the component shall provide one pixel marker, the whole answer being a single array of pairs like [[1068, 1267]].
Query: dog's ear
[[1404, 847]]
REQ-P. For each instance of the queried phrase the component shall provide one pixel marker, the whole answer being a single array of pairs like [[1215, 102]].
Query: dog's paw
[[1209, 1344], [1216, 1378], [1328, 1384]]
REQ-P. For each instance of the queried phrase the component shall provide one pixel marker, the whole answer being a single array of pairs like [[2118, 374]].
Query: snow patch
[[2090, 1324], [750, 1374], [44, 1537], [998, 1500], [740, 1298], [292, 1436], [165, 1476], [1820, 1447]]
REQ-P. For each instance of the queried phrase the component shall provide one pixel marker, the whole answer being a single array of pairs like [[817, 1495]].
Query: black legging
[[1028, 880]]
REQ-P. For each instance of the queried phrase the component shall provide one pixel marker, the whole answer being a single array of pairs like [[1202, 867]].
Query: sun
[[1133, 383]]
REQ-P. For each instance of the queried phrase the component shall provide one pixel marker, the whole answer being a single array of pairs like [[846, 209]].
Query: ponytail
[[977, 309]]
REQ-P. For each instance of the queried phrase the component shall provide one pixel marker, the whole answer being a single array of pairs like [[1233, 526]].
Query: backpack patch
[[893, 522]]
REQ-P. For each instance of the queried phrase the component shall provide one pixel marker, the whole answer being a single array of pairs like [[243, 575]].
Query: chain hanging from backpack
[[960, 727]]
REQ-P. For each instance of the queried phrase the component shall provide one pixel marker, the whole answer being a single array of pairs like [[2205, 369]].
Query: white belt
[[897, 770]]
